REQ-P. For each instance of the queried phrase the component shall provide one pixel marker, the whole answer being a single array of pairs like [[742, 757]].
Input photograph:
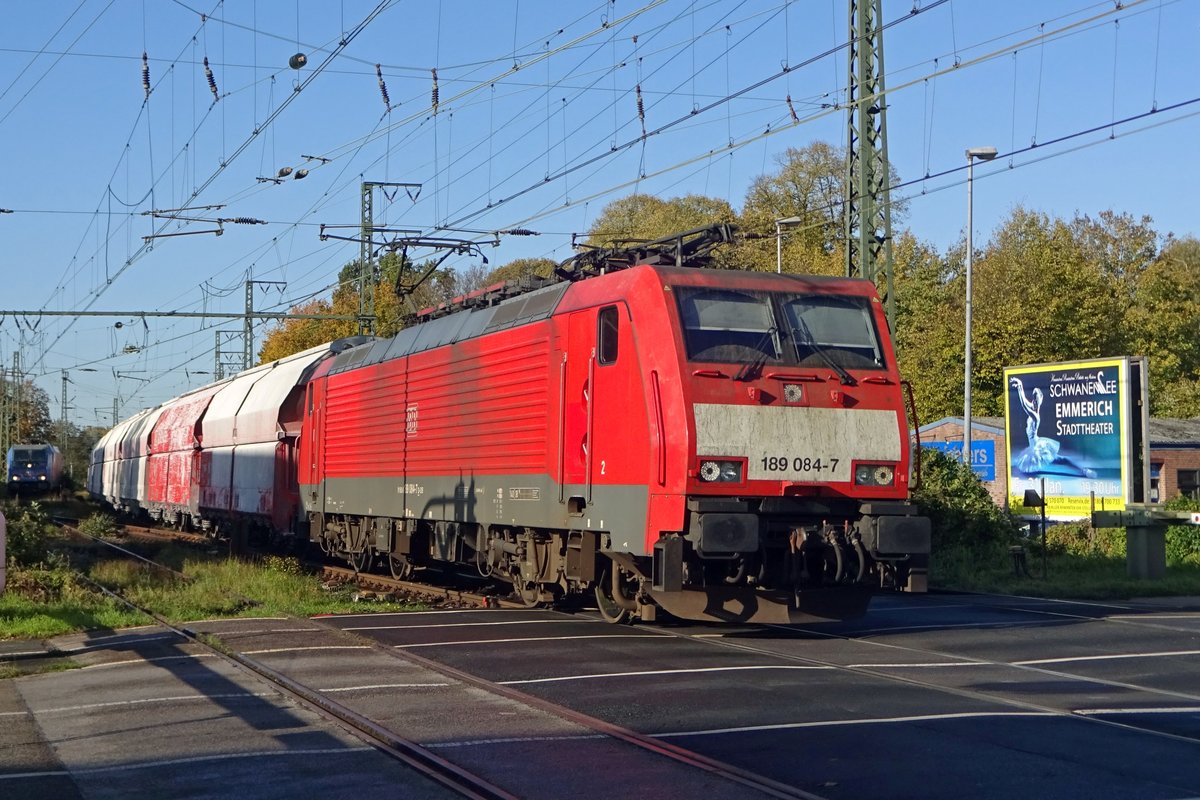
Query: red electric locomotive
[[724, 445]]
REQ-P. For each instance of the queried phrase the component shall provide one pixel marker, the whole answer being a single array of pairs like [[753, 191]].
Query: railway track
[[421, 759], [446, 596], [463, 781]]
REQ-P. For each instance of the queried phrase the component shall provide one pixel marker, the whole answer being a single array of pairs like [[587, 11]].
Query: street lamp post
[[779, 223], [983, 154]]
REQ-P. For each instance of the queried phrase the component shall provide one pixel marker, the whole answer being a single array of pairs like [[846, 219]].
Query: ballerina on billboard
[[1042, 453]]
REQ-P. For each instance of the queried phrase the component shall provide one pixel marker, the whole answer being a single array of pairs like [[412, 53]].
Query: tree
[[520, 268], [32, 425], [1164, 324], [643, 217], [392, 312]]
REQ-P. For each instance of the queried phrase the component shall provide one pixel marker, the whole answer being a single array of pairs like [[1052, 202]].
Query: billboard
[[1080, 427], [983, 455]]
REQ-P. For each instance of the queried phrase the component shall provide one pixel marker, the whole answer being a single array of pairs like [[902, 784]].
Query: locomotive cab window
[[728, 326], [747, 327], [834, 330], [608, 322]]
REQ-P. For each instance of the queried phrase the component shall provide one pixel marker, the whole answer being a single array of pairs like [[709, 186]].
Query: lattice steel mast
[[868, 216]]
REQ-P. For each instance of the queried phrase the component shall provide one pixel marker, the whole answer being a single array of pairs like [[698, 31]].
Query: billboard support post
[[1043, 504]]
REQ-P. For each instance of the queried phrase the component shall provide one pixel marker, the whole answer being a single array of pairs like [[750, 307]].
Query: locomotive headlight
[[721, 471], [874, 475], [41, 477]]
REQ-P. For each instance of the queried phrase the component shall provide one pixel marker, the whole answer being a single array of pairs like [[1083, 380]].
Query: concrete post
[[3, 557], [1146, 551]]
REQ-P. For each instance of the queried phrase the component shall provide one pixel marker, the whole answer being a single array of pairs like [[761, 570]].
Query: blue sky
[[534, 95]]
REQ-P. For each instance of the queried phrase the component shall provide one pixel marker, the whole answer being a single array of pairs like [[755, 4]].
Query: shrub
[[101, 525], [286, 565], [1183, 541], [959, 507], [27, 530]]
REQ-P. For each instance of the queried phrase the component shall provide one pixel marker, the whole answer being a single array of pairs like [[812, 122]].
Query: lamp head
[[982, 153]]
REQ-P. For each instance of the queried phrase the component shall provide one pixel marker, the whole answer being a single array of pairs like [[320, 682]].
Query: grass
[[49, 600]]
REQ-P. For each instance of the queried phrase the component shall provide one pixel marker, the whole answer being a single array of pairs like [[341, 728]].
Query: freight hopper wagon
[[721, 444], [33, 468], [220, 459]]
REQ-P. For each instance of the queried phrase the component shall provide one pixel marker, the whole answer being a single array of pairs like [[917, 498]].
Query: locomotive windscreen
[[30, 455], [739, 326]]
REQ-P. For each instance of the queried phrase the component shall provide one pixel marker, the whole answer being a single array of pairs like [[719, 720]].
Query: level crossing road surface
[[928, 696], [152, 714], [934, 696]]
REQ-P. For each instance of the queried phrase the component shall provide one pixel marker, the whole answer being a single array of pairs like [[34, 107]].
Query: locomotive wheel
[[400, 567], [359, 562], [608, 606], [530, 593]]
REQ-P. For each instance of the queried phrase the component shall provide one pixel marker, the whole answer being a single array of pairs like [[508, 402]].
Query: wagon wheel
[[606, 603], [400, 567]]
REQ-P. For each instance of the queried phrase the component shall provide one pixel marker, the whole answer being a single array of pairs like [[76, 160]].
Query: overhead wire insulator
[[212, 82], [641, 109], [387, 101], [792, 109], [433, 100], [146, 74]]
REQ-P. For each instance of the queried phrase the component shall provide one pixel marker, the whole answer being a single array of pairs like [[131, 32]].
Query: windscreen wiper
[[806, 338], [750, 368]]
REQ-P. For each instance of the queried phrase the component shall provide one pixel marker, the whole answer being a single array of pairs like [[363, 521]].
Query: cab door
[[597, 400]]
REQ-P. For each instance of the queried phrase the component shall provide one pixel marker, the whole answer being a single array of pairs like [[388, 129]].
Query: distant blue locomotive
[[33, 468]]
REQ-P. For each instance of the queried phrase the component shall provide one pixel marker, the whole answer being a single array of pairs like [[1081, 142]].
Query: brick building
[[1174, 453]]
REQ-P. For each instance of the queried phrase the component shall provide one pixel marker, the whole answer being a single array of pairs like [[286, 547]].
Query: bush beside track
[[972, 538]]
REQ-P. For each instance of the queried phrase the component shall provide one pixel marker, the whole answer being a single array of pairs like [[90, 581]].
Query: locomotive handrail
[[912, 404]]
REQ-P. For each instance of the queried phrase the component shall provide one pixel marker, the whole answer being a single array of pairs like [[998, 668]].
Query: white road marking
[[487, 623], [314, 647], [661, 672], [378, 614], [173, 761], [1108, 657], [139, 702], [239, 619], [921, 608], [931, 664], [384, 686], [1156, 710], [253, 631], [148, 660], [510, 740], [1010, 623], [872, 721], [530, 639], [131, 640]]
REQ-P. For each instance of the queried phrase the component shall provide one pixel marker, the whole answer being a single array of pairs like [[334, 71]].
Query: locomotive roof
[[455, 327], [539, 304]]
